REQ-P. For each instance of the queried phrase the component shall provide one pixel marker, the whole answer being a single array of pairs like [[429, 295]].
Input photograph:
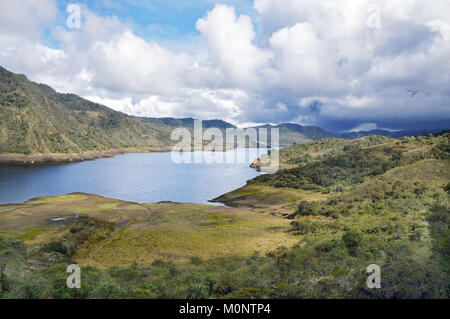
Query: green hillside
[[36, 119], [375, 200], [325, 164], [308, 231]]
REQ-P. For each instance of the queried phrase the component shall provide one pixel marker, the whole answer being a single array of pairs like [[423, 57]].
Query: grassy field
[[269, 199], [144, 233]]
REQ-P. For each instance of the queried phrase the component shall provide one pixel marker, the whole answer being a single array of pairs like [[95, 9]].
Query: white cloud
[[316, 62], [26, 17], [364, 127], [230, 46]]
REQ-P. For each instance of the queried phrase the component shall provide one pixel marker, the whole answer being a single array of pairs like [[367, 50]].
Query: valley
[[299, 233]]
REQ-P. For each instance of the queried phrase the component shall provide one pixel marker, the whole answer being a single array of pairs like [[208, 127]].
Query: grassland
[[269, 199], [307, 231], [144, 233]]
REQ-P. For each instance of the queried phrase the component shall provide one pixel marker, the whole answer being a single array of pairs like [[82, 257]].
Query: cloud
[[312, 62], [362, 74], [364, 127], [26, 17], [230, 46]]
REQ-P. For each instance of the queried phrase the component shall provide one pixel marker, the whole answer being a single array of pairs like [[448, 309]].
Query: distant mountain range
[[289, 133], [188, 122], [395, 134], [35, 119]]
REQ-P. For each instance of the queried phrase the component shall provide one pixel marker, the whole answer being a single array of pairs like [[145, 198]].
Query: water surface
[[145, 178]]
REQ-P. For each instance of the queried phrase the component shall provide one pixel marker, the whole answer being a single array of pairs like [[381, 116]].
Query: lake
[[142, 177]]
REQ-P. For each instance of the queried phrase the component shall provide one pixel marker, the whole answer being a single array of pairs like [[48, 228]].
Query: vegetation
[[382, 201], [35, 119], [330, 164]]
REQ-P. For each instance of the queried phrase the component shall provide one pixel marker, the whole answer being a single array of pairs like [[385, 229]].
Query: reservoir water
[[146, 177]]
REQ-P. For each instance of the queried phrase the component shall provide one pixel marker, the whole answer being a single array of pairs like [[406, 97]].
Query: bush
[[109, 290], [56, 247], [304, 227], [447, 188], [4, 283], [352, 239], [32, 289], [197, 291], [305, 209]]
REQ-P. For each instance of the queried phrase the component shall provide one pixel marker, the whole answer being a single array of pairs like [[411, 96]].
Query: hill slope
[[36, 119], [349, 204]]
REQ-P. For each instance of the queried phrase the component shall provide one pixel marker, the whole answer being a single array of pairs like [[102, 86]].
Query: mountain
[[395, 134], [189, 122], [36, 119], [294, 133]]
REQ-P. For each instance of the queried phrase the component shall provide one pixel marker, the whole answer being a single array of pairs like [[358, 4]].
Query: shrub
[[56, 247], [304, 227], [32, 289], [352, 240], [109, 290], [4, 283], [197, 291], [447, 188], [326, 246], [305, 209]]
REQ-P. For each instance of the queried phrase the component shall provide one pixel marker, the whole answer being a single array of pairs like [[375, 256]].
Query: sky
[[342, 65]]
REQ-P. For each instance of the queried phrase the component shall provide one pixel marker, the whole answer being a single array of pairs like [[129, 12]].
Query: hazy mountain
[[290, 133], [189, 122], [36, 119], [396, 134]]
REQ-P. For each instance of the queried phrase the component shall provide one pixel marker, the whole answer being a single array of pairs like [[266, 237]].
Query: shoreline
[[57, 159], [18, 159], [63, 158]]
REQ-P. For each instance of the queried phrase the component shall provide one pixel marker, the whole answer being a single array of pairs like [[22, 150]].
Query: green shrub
[[305, 209], [304, 227], [109, 290], [4, 283], [197, 291], [352, 239], [56, 246]]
